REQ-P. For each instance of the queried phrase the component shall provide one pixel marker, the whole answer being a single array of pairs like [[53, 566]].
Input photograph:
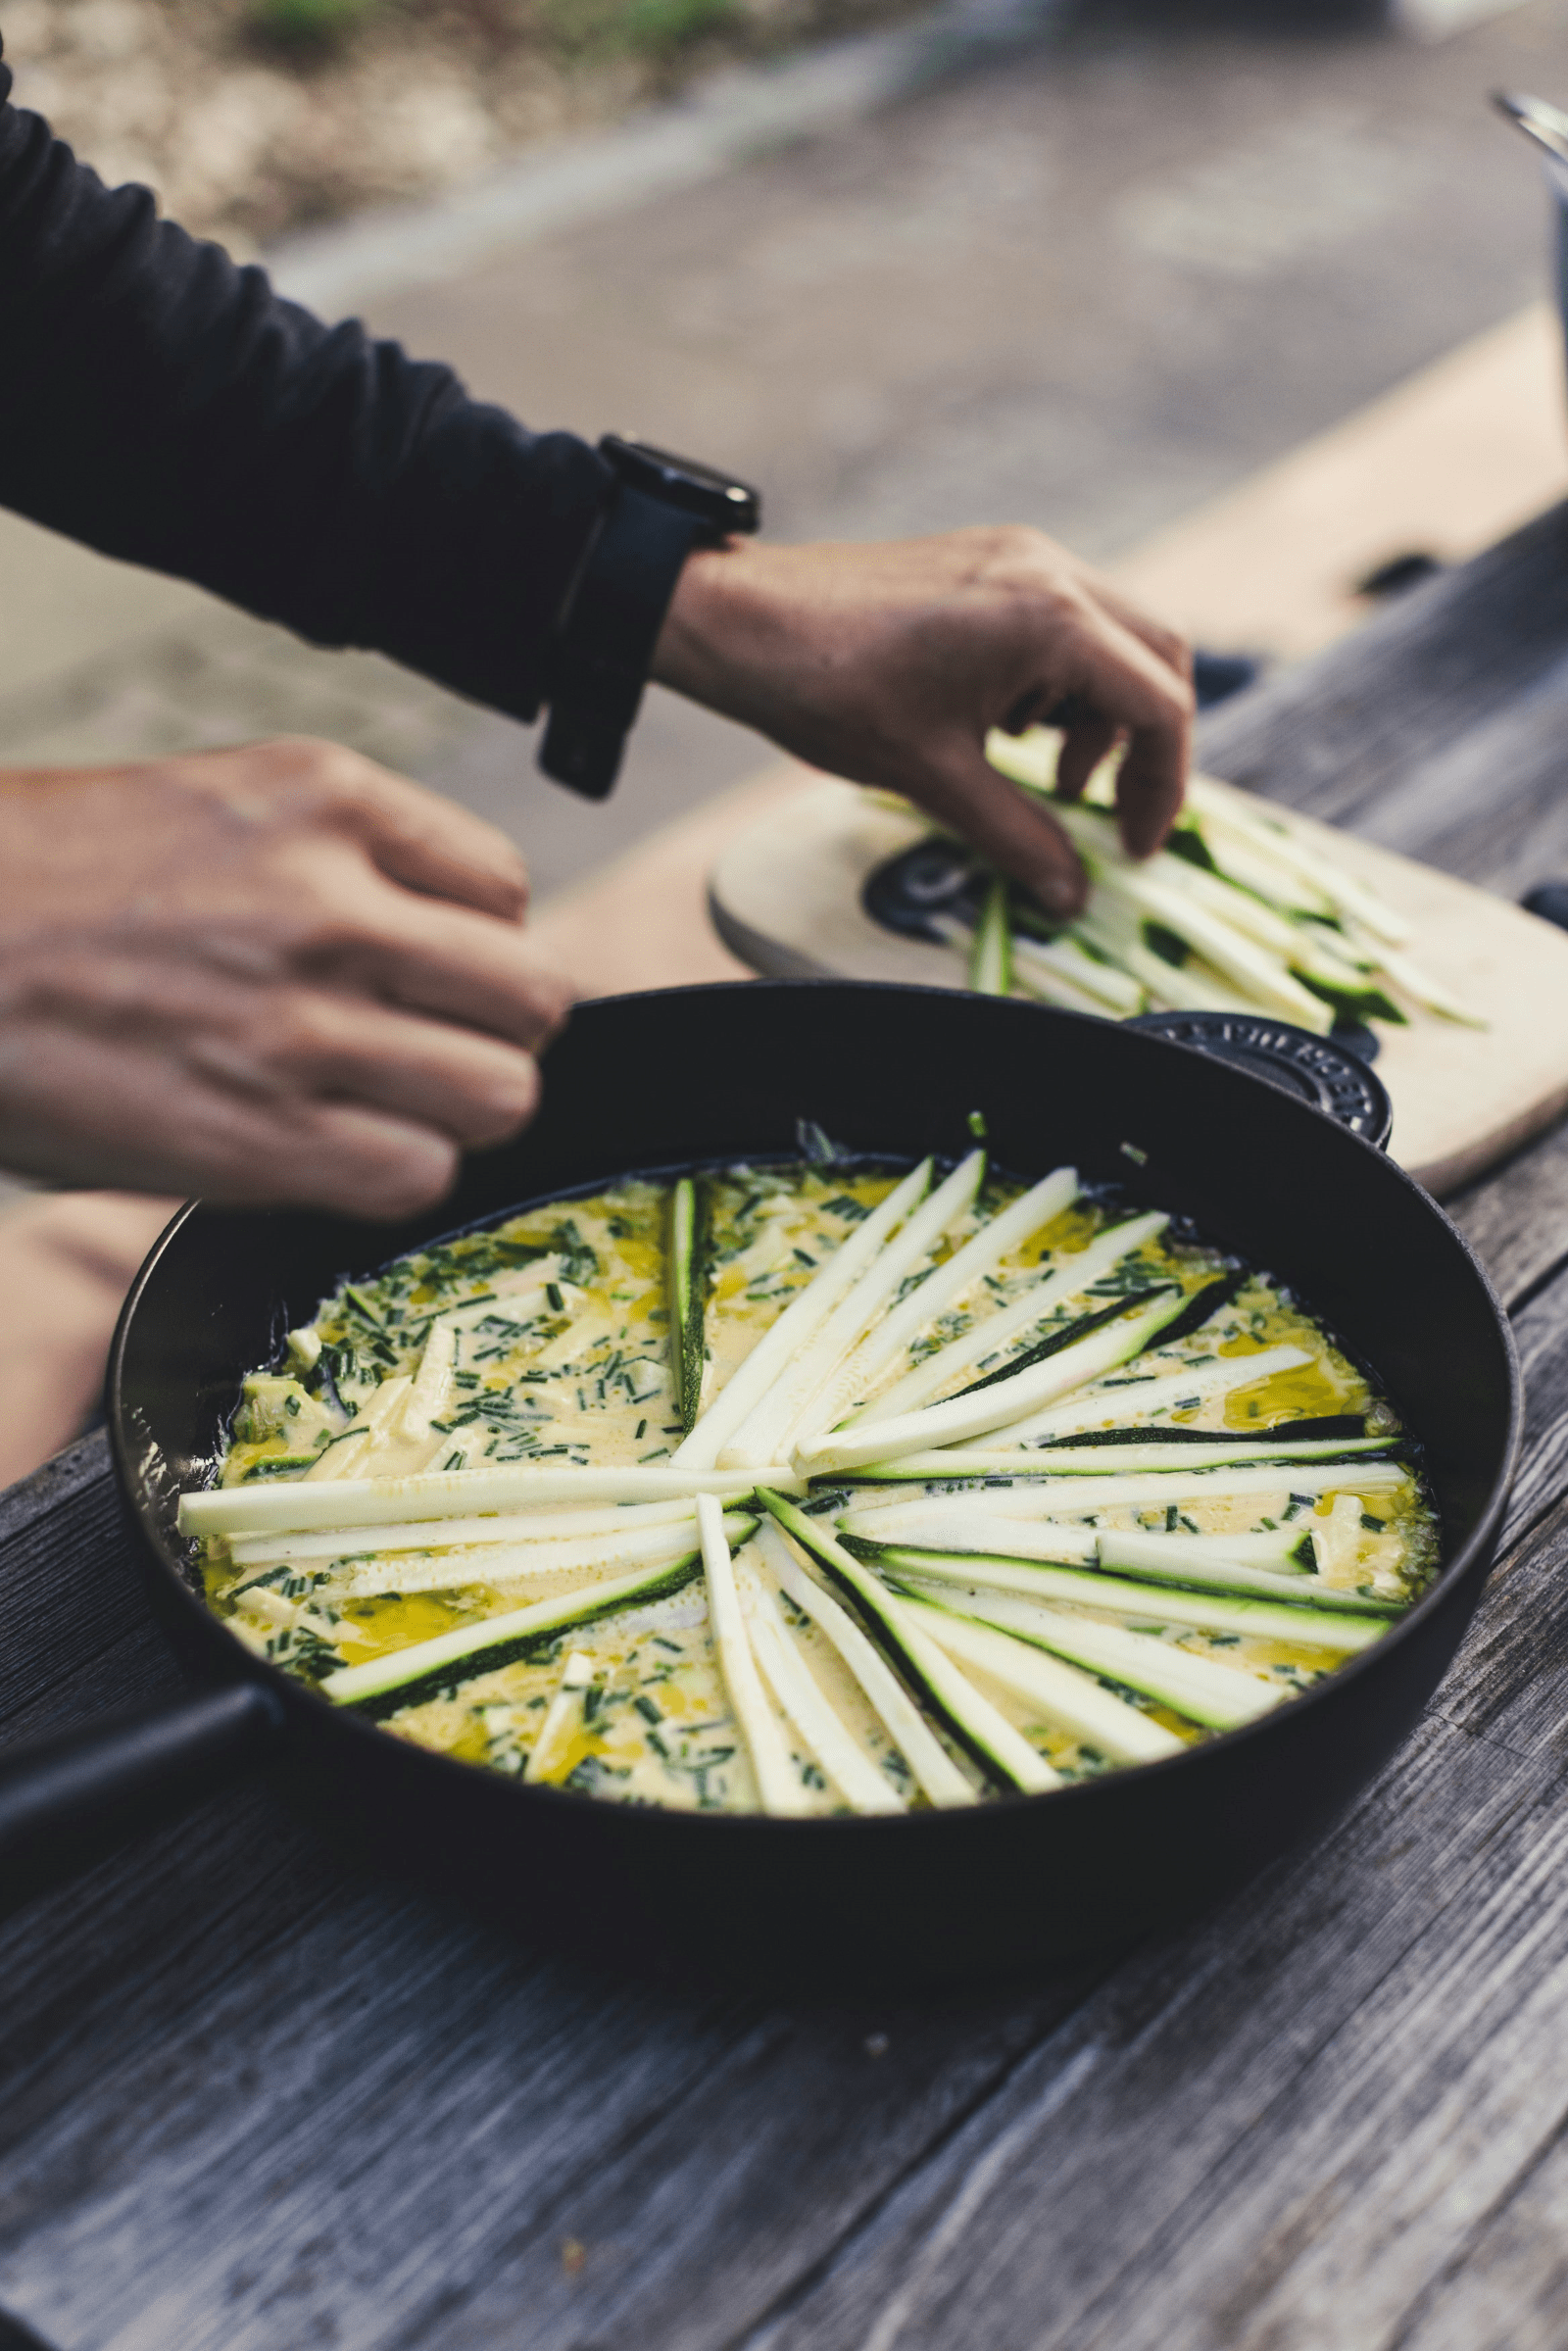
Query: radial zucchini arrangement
[[811, 1488]]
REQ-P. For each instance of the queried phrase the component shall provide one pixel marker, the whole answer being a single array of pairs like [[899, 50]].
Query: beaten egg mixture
[[559, 1322]]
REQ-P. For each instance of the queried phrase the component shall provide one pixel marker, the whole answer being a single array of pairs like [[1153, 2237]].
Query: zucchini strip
[[1176, 987], [1035, 1473], [935, 1773], [1219, 1696], [1222, 804], [514, 1563], [996, 1331], [431, 1391], [1221, 1451], [1071, 1700], [366, 1435], [1031, 971], [1070, 1497], [440, 1533], [1059, 1341], [853, 1772], [1161, 891], [1428, 992], [1202, 1559], [1038, 1207], [1240, 857], [495, 1641], [783, 1341], [991, 948], [359, 1502], [767, 1432], [1264, 924], [778, 1785], [1123, 1461], [948, 1525], [1041, 966], [562, 1718], [983, 1409], [971, 1719], [343, 1458], [686, 1293], [1001, 1751], [1320, 1628]]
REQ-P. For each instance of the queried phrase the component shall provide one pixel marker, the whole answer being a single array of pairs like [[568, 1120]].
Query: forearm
[[164, 405]]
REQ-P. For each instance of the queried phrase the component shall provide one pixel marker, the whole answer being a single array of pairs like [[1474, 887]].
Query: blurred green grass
[[310, 23], [645, 28], [575, 29]]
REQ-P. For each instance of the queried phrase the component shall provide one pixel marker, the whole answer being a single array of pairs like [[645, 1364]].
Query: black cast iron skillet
[[711, 1075]]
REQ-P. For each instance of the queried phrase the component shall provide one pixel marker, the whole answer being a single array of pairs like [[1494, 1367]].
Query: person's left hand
[[890, 663]]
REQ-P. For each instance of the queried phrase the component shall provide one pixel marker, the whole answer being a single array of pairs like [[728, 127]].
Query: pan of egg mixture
[[874, 1485]]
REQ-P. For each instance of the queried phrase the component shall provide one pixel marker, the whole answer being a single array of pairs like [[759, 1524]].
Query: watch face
[[722, 502]]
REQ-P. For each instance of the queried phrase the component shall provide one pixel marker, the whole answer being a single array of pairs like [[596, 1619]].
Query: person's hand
[[889, 663], [276, 974]]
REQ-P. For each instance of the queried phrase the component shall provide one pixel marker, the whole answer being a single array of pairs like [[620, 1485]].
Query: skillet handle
[[67, 1801], [1320, 1070]]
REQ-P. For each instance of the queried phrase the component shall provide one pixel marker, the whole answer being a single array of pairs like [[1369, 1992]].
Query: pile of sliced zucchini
[[1049, 1486], [1236, 913]]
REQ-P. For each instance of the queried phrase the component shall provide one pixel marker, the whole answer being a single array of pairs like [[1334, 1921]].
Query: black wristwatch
[[596, 665]]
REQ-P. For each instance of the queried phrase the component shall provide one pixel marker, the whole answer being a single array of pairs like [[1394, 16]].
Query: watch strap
[[597, 662]]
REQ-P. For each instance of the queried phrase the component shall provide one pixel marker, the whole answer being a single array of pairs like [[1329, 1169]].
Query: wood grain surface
[[250, 2102]]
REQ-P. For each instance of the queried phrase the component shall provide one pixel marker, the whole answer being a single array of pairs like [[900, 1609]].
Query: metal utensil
[[1547, 125]]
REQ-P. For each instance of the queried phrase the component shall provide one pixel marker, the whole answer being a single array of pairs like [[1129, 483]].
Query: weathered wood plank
[[427, 2129], [78, 1637], [1506, 2288], [1540, 1332], [1517, 1219], [1479, 651], [1490, 804]]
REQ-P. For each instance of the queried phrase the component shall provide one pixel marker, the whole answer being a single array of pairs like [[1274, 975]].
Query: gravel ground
[[247, 131]]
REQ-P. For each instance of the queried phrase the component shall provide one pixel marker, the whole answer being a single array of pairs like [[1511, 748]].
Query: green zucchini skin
[[672, 1578], [1328, 1429], [1113, 1461], [867, 1597], [991, 948], [1233, 1608], [573, 1610], [1203, 1305], [1144, 1665], [1068, 1337], [1182, 1321], [686, 1279]]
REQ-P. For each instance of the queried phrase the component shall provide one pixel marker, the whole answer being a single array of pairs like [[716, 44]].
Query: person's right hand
[[891, 663], [271, 975]]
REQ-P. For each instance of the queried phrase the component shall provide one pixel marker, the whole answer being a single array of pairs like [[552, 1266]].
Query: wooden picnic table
[[252, 2102]]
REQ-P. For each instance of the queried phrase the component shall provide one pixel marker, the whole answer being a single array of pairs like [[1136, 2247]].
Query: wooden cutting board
[[785, 897]]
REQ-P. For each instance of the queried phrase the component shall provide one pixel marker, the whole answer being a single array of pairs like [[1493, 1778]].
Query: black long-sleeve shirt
[[163, 405]]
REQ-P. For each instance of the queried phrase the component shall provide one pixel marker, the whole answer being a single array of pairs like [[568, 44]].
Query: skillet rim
[[929, 1820]]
